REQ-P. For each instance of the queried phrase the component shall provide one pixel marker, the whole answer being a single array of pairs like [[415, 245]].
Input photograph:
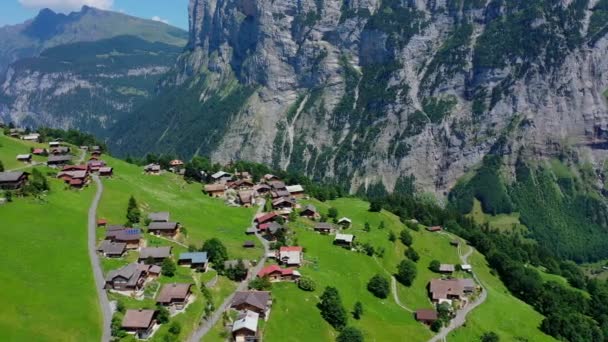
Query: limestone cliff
[[367, 91]]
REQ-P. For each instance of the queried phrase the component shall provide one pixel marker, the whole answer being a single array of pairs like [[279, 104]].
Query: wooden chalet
[[13, 180]]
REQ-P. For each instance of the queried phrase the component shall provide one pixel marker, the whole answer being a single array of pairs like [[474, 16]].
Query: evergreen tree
[[367, 227], [332, 212], [332, 309], [434, 266], [1, 166], [133, 212]]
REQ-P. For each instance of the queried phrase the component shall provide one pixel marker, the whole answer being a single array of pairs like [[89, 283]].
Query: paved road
[[104, 304], [208, 324], [461, 315]]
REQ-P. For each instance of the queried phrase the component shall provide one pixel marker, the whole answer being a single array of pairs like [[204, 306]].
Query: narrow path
[[208, 324], [104, 303], [394, 288], [461, 315], [26, 166]]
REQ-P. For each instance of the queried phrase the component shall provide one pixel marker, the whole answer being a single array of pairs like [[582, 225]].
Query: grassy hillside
[[48, 290], [202, 216], [295, 313], [509, 317], [10, 148]]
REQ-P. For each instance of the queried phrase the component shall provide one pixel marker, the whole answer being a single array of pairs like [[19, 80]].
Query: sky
[[173, 12]]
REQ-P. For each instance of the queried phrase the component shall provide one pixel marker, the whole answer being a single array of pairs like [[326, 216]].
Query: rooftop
[[138, 319], [194, 257]]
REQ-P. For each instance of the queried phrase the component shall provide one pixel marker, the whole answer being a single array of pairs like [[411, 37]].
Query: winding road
[[208, 324], [102, 296], [461, 315]]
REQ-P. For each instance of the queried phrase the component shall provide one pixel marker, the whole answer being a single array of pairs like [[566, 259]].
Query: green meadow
[[48, 289], [11, 147], [502, 313]]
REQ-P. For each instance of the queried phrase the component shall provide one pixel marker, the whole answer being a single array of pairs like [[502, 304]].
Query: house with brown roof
[[169, 229], [154, 254], [262, 189], [140, 323], [310, 211], [245, 198], [256, 301], [131, 277], [24, 158], [295, 191], [75, 179], [59, 160], [447, 268], [324, 227], [283, 203], [434, 229], [59, 150], [161, 216], [265, 218], [152, 169], [215, 190], [426, 316], [130, 236], [241, 184], [449, 289], [174, 295], [111, 249], [13, 180], [106, 171], [102, 222]]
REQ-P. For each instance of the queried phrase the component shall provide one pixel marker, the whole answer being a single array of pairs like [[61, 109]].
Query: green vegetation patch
[[48, 288]]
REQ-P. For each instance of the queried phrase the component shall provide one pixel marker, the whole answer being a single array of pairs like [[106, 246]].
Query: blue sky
[[175, 12]]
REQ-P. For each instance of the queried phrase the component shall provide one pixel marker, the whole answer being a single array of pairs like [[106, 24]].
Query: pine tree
[[358, 310]]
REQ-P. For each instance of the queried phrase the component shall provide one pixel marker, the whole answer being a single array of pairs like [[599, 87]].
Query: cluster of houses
[[251, 307], [247, 192], [143, 323], [175, 166]]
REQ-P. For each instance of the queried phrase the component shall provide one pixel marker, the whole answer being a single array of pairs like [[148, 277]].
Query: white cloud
[[66, 5], [157, 18]]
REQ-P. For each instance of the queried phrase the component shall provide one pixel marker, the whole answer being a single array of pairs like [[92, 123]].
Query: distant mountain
[[83, 70], [49, 29]]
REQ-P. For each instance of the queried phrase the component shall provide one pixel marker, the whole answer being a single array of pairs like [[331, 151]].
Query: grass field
[[294, 314], [48, 289], [11, 147], [509, 317], [502, 222]]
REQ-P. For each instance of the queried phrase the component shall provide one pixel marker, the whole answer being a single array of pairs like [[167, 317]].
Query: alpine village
[[152, 190]]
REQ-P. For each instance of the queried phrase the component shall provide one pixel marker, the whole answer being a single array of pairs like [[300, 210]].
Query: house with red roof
[[276, 273], [266, 218]]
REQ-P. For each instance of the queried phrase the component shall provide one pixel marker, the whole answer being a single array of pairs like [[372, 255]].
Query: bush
[[434, 266], [307, 284], [406, 238], [332, 212], [216, 252], [411, 254], [406, 272], [392, 237], [368, 248], [437, 325], [175, 328], [332, 309], [379, 286], [163, 314], [412, 225], [350, 334], [358, 310], [375, 206], [260, 284], [490, 337], [168, 267]]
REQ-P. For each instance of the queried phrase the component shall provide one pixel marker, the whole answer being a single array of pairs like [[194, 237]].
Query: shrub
[[406, 272], [406, 238], [379, 286], [411, 254], [168, 267], [358, 310], [350, 334], [434, 266], [307, 284], [332, 309]]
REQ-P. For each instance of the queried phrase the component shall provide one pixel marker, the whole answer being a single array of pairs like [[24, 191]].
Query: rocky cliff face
[[367, 91]]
